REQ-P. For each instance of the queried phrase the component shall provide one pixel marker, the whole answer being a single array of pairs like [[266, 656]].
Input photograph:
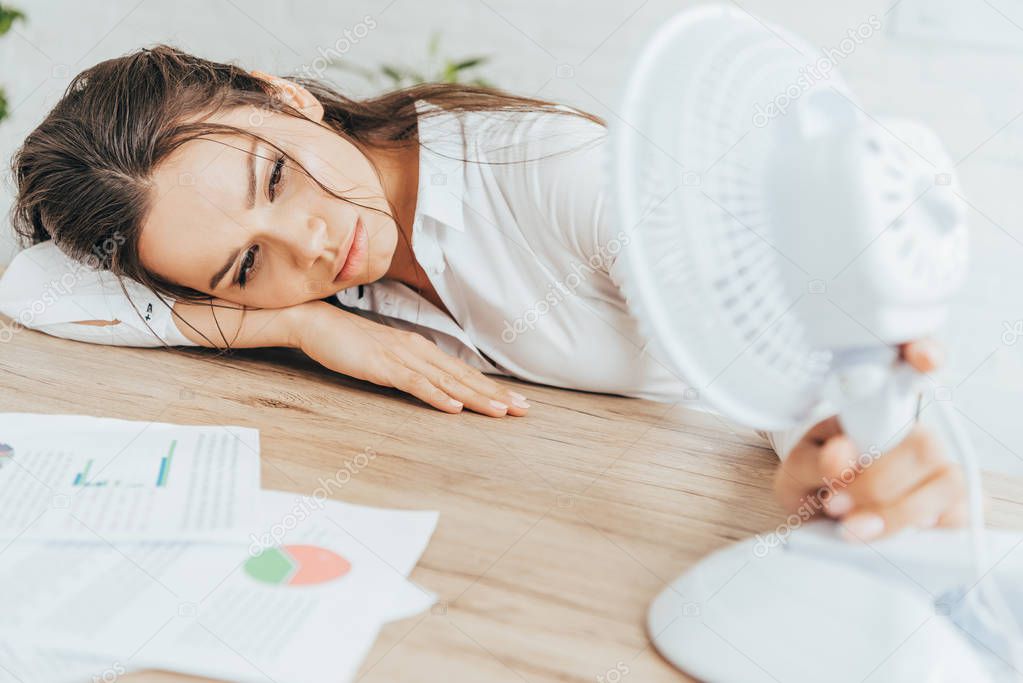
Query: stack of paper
[[128, 545]]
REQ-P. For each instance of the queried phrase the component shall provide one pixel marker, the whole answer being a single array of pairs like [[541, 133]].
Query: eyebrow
[[250, 198], [250, 203], [219, 275]]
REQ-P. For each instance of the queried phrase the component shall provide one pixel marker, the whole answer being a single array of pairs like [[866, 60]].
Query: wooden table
[[555, 531]]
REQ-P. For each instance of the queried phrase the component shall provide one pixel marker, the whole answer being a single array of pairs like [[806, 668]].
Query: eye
[[275, 177], [248, 263]]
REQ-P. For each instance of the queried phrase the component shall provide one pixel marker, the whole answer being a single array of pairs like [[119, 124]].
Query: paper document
[[298, 600], [27, 665], [76, 477]]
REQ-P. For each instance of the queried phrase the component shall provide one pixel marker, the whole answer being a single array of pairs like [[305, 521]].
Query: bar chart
[[133, 472]]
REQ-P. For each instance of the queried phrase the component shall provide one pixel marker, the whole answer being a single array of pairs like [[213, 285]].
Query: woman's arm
[[221, 324], [360, 348], [42, 289]]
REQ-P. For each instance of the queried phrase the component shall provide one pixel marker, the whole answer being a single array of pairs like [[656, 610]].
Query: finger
[[415, 383], [800, 473], [812, 466], [473, 400], [514, 403], [882, 480], [451, 385], [824, 430], [840, 464], [517, 404], [471, 377], [924, 355], [922, 508]]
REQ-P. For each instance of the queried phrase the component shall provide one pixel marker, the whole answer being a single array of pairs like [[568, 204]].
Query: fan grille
[[704, 274]]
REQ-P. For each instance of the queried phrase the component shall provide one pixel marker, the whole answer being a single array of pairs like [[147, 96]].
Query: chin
[[363, 278], [375, 269]]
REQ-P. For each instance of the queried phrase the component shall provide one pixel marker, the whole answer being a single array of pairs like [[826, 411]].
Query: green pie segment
[[297, 565], [270, 566]]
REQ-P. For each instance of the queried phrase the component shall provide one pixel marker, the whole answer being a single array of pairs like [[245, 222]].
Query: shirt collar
[[442, 152]]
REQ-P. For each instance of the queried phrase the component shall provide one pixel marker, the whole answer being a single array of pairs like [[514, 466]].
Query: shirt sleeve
[[45, 290]]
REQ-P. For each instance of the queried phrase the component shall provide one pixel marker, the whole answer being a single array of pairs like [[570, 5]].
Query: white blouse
[[517, 241]]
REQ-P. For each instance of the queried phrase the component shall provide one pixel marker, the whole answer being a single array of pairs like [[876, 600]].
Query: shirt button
[[437, 269]]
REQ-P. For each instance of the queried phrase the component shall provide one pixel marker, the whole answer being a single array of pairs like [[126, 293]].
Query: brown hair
[[83, 175]]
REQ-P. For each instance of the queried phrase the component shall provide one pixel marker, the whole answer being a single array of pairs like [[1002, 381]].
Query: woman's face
[[253, 229]]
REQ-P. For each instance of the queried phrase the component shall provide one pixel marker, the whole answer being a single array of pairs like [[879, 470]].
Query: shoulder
[[40, 262], [537, 173], [535, 136], [43, 253]]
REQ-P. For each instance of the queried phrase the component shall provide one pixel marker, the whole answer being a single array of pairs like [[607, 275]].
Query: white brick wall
[[966, 89]]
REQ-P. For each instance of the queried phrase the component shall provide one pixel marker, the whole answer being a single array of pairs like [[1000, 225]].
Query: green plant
[[438, 70], [8, 15]]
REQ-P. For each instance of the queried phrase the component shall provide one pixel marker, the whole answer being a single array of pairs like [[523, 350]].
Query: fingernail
[[862, 527], [839, 504], [456, 404], [497, 405], [519, 402]]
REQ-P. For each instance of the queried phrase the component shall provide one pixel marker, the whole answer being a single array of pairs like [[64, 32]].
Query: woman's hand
[[361, 348], [912, 485]]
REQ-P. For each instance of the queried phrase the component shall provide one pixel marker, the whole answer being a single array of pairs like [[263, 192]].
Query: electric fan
[[779, 261], [783, 242]]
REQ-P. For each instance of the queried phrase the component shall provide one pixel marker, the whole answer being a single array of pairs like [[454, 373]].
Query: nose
[[306, 240]]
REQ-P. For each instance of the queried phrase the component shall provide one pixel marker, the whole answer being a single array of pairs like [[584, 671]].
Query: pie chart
[[297, 565]]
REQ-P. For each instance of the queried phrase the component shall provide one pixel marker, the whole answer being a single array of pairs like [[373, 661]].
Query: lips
[[356, 256]]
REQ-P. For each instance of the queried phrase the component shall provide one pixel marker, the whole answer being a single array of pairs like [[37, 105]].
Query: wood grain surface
[[556, 530]]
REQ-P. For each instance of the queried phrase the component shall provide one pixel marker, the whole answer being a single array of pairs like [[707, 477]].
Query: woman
[[420, 240]]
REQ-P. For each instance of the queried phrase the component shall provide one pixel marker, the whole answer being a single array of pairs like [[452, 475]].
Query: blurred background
[[955, 64]]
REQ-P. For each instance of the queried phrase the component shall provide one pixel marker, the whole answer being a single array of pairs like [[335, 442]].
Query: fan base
[[821, 608]]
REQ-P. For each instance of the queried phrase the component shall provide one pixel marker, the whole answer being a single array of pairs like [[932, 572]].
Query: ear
[[294, 95]]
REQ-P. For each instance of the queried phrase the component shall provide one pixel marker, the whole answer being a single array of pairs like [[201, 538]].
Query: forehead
[[210, 175], [213, 168], [197, 210], [202, 178]]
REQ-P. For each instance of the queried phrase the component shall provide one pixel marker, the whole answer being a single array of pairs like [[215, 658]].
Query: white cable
[[985, 596], [974, 487]]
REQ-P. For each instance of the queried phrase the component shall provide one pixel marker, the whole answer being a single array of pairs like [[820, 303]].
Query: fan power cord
[[986, 597]]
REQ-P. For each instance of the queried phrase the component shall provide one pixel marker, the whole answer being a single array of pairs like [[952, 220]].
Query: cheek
[[350, 175], [360, 199], [383, 240], [345, 170]]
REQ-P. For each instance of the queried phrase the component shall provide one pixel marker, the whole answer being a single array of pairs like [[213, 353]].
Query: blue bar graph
[[165, 463], [130, 477]]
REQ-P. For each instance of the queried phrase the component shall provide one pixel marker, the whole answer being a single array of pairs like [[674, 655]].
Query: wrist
[[300, 321]]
